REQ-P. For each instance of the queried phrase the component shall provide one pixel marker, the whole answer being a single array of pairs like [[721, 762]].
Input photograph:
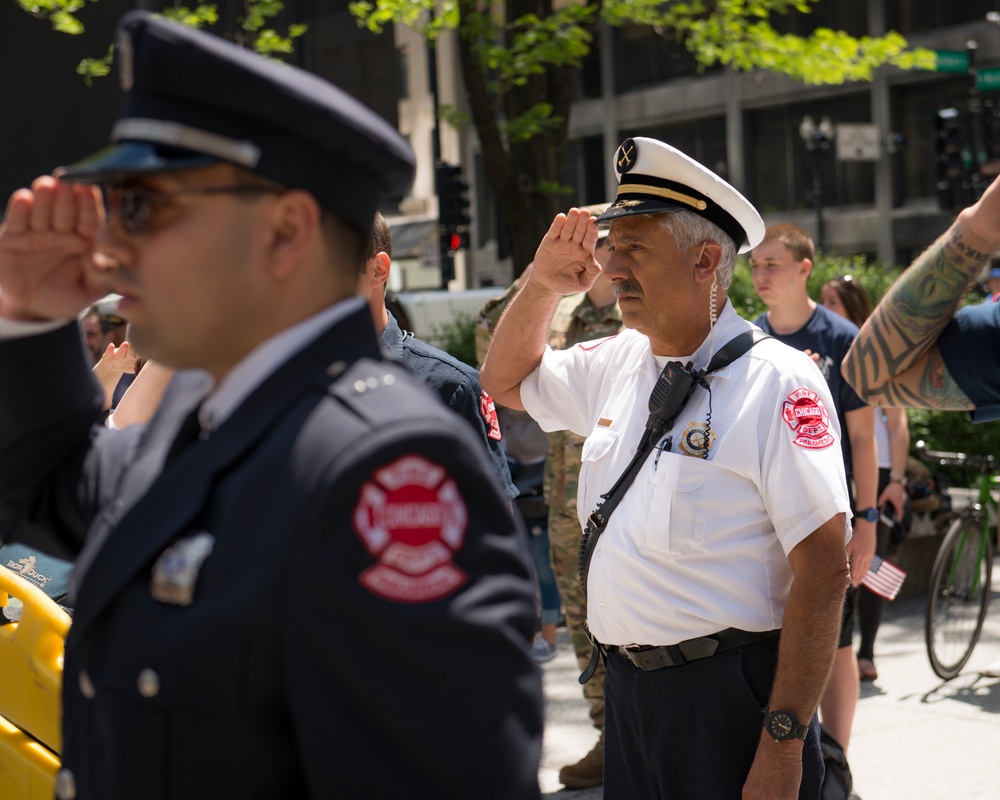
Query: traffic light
[[453, 215], [954, 186], [453, 197], [452, 241]]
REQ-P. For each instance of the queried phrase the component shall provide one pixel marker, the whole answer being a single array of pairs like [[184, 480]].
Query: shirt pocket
[[598, 445], [678, 508]]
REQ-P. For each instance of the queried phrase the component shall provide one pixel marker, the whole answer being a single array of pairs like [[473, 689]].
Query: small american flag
[[883, 578]]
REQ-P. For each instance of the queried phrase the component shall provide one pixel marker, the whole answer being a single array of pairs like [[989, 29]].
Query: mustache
[[628, 286]]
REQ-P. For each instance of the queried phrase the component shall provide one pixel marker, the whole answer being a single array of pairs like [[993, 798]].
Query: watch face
[[781, 725]]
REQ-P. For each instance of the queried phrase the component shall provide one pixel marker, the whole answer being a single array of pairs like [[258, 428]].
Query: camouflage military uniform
[[576, 320], [489, 316]]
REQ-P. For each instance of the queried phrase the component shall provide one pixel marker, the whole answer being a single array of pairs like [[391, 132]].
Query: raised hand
[[48, 265], [117, 360], [564, 262]]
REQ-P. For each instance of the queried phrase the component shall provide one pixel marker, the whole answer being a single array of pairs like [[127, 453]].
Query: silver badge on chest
[[176, 571]]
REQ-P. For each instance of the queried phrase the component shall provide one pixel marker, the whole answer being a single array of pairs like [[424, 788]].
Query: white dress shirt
[[697, 544]]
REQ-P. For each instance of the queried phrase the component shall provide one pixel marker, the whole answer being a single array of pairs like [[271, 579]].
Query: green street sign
[[988, 80], [951, 61]]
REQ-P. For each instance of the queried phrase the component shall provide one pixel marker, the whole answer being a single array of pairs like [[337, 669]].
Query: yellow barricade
[[31, 666]]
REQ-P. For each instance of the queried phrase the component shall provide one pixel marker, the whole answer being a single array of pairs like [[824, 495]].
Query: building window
[[911, 16], [914, 109], [583, 164], [588, 86], [780, 168], [644, 57], [850, 16], [704, 140], [403, 72], [486, 204]]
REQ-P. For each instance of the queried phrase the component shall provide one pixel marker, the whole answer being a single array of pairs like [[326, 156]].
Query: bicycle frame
[[958, 597], [978, 511]]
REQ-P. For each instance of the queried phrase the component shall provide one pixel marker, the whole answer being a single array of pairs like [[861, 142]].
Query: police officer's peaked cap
[[194, 99], [655, 177]]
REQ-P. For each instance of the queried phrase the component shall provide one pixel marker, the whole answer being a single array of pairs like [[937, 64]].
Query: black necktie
[[186, 435]]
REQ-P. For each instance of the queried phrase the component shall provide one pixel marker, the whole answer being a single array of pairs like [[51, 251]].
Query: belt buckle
[[629, 651]]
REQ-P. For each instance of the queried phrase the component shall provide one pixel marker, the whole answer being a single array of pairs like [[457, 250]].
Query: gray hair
[[688, 229]]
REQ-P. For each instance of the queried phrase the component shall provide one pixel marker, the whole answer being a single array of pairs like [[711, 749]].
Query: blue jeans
[[538, 531]]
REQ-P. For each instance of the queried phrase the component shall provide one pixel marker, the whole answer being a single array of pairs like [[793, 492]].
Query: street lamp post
[[817, 139]]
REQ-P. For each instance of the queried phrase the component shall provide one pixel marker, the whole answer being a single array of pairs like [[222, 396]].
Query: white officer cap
[[654, 177]]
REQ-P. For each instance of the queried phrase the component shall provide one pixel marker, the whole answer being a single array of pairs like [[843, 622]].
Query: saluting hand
[[48, 265], [564, 262]]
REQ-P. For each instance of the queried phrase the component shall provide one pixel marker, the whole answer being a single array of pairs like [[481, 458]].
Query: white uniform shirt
[[882, 446], [697, 545]]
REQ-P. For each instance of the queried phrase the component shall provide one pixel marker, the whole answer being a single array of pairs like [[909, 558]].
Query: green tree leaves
[[256, 29]]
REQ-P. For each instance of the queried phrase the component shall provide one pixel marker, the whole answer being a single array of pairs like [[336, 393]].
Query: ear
[[708, 262], [379, 268], [807, 267], [295, 227]]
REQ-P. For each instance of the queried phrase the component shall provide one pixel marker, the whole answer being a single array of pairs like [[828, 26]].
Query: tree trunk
[[515, 170]]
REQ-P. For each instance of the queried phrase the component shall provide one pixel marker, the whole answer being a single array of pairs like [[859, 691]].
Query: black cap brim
[[125, 159], [628, 207]]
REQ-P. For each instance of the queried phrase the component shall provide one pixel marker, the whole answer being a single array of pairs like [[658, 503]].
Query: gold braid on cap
[[669, 194]]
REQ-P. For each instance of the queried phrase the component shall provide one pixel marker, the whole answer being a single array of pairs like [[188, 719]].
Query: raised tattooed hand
[[48, 265]]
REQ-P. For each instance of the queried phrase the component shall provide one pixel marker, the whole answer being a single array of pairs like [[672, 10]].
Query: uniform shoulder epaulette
[[372, 389]]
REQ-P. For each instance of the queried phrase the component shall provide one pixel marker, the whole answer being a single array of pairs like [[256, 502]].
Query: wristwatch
[[783, 727], [867, 514]]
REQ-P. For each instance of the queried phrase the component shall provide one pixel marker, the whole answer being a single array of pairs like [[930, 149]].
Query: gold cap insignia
[[626, 156]]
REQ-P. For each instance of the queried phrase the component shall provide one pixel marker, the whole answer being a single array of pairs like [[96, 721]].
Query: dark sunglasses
[[132, 203]]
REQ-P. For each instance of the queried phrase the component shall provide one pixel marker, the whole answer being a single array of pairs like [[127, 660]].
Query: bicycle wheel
[[958, 596]]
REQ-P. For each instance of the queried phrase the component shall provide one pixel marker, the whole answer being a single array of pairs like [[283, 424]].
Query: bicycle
[[959, 590]]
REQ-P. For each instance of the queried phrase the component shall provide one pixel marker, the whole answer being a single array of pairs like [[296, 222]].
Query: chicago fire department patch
[[411, 517], [805, 413], [489, 411]]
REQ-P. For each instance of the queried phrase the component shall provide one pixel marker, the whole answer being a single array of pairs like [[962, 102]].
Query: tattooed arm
[[894, 361]]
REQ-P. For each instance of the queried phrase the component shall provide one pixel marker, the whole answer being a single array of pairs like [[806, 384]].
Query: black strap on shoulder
[[735, 348]]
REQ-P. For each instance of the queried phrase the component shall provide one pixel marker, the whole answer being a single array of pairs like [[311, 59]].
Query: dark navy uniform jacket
[[360, 626], [457, 384]]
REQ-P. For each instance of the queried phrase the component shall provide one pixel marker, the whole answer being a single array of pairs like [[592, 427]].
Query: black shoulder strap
[[735, 348]]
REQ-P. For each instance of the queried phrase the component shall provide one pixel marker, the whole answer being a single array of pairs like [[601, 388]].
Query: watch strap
[[869, 514]]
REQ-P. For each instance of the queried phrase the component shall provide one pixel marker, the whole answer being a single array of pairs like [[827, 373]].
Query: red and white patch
[[489, 411], [411, 517], [805, 413]]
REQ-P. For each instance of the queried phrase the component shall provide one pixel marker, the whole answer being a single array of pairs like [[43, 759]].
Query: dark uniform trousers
[[691, 732], [285, 677]]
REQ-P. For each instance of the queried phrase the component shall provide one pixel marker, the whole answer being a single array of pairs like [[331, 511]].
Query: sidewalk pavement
[[915, 737]]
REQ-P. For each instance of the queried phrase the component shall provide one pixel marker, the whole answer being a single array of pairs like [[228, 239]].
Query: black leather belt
[[649, 658]]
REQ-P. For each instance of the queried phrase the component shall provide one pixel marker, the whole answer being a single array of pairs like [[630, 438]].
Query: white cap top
[[654, 177]]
